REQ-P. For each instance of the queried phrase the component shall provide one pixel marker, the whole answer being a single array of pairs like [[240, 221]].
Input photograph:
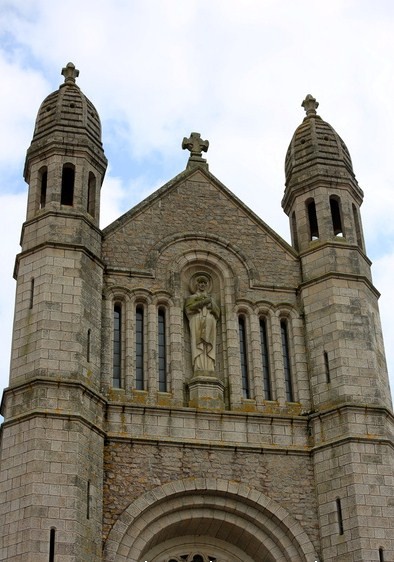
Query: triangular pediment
[[194, 206]]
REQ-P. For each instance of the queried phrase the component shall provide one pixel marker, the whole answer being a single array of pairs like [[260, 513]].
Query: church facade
[[186, 386]]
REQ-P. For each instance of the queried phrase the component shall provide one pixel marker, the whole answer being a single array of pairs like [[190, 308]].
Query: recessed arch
[[215, 508], [152, 258]]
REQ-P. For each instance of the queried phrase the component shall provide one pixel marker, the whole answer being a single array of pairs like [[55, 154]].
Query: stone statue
[[203, 313]]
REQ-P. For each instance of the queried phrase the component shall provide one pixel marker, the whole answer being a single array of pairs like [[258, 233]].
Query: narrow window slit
[[52, 544], [88, 500], [117, 346], [327, 367], [381, 555], [357, 227], [162, 355], [340, 518], [139, 348], [91, 203], [286, 362], [88, 345], [43, 192], [313, 226], [31, 293], [265, 359], [336, 216], [244, 357], [68, 178]]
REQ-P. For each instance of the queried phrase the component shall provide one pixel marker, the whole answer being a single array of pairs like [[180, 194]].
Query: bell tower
[[322, 199], [52, 402], [350, 420]]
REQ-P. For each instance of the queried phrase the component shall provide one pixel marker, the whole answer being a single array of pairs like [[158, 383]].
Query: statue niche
[[203, 313]]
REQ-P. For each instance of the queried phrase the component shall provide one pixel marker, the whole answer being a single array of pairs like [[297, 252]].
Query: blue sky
[[237, 72]]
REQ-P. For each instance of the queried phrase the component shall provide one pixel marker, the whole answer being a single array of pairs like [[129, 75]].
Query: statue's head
[[200, 282]]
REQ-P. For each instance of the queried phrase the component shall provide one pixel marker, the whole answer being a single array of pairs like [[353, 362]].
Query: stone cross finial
[[195, 144], [310, 105], [70, 73]]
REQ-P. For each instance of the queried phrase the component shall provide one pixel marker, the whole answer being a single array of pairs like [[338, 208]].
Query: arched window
[[312, 218], [336, 218], [162, 349], [357, 226], [381, 555], [43, 187], [91, 204], [294, 230], [117, 345], [67, 193], [244, 357], [265, 359], [139, 347], [286, 361]]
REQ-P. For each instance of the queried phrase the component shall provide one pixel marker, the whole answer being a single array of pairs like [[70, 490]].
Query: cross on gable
[[195, 144]]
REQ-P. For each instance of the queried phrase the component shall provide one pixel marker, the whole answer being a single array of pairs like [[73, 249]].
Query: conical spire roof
[[67, 121], [68, 110], [316, 149]]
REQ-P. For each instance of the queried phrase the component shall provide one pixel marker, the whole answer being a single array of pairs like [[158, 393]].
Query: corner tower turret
[[322, 196], [322, 199], [53, 402], [65, 164]]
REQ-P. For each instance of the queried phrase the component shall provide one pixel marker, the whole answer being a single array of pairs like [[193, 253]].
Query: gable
[[199, 211]]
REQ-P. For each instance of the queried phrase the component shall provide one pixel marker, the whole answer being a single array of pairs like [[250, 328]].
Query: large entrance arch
[[203, 518]]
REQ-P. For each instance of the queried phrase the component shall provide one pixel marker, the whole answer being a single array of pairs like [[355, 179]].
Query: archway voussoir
[[233, 487], [201, 484], [190, 484], [220, 510], [256, 496], [222, 485]]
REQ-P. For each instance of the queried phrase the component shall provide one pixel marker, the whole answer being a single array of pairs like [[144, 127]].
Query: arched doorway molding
[[216, 508]]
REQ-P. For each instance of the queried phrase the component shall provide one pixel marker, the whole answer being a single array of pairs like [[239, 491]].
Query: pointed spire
[[310, 105], [70, 73]]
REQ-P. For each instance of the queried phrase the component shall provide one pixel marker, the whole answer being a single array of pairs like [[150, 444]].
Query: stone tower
[[51, 449], [186, 386]]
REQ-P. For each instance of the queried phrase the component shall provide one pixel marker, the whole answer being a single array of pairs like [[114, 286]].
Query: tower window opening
[[52, 544], [286, 361], [244, 357], [43, 187], [312, 217], [139, 348], [336, 216], [327, 367], [294, 230], [68, 178], [357, 227], [381, 555], [265, 359], [91, 203], [162, 349], [340, 517], [117, 345]]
